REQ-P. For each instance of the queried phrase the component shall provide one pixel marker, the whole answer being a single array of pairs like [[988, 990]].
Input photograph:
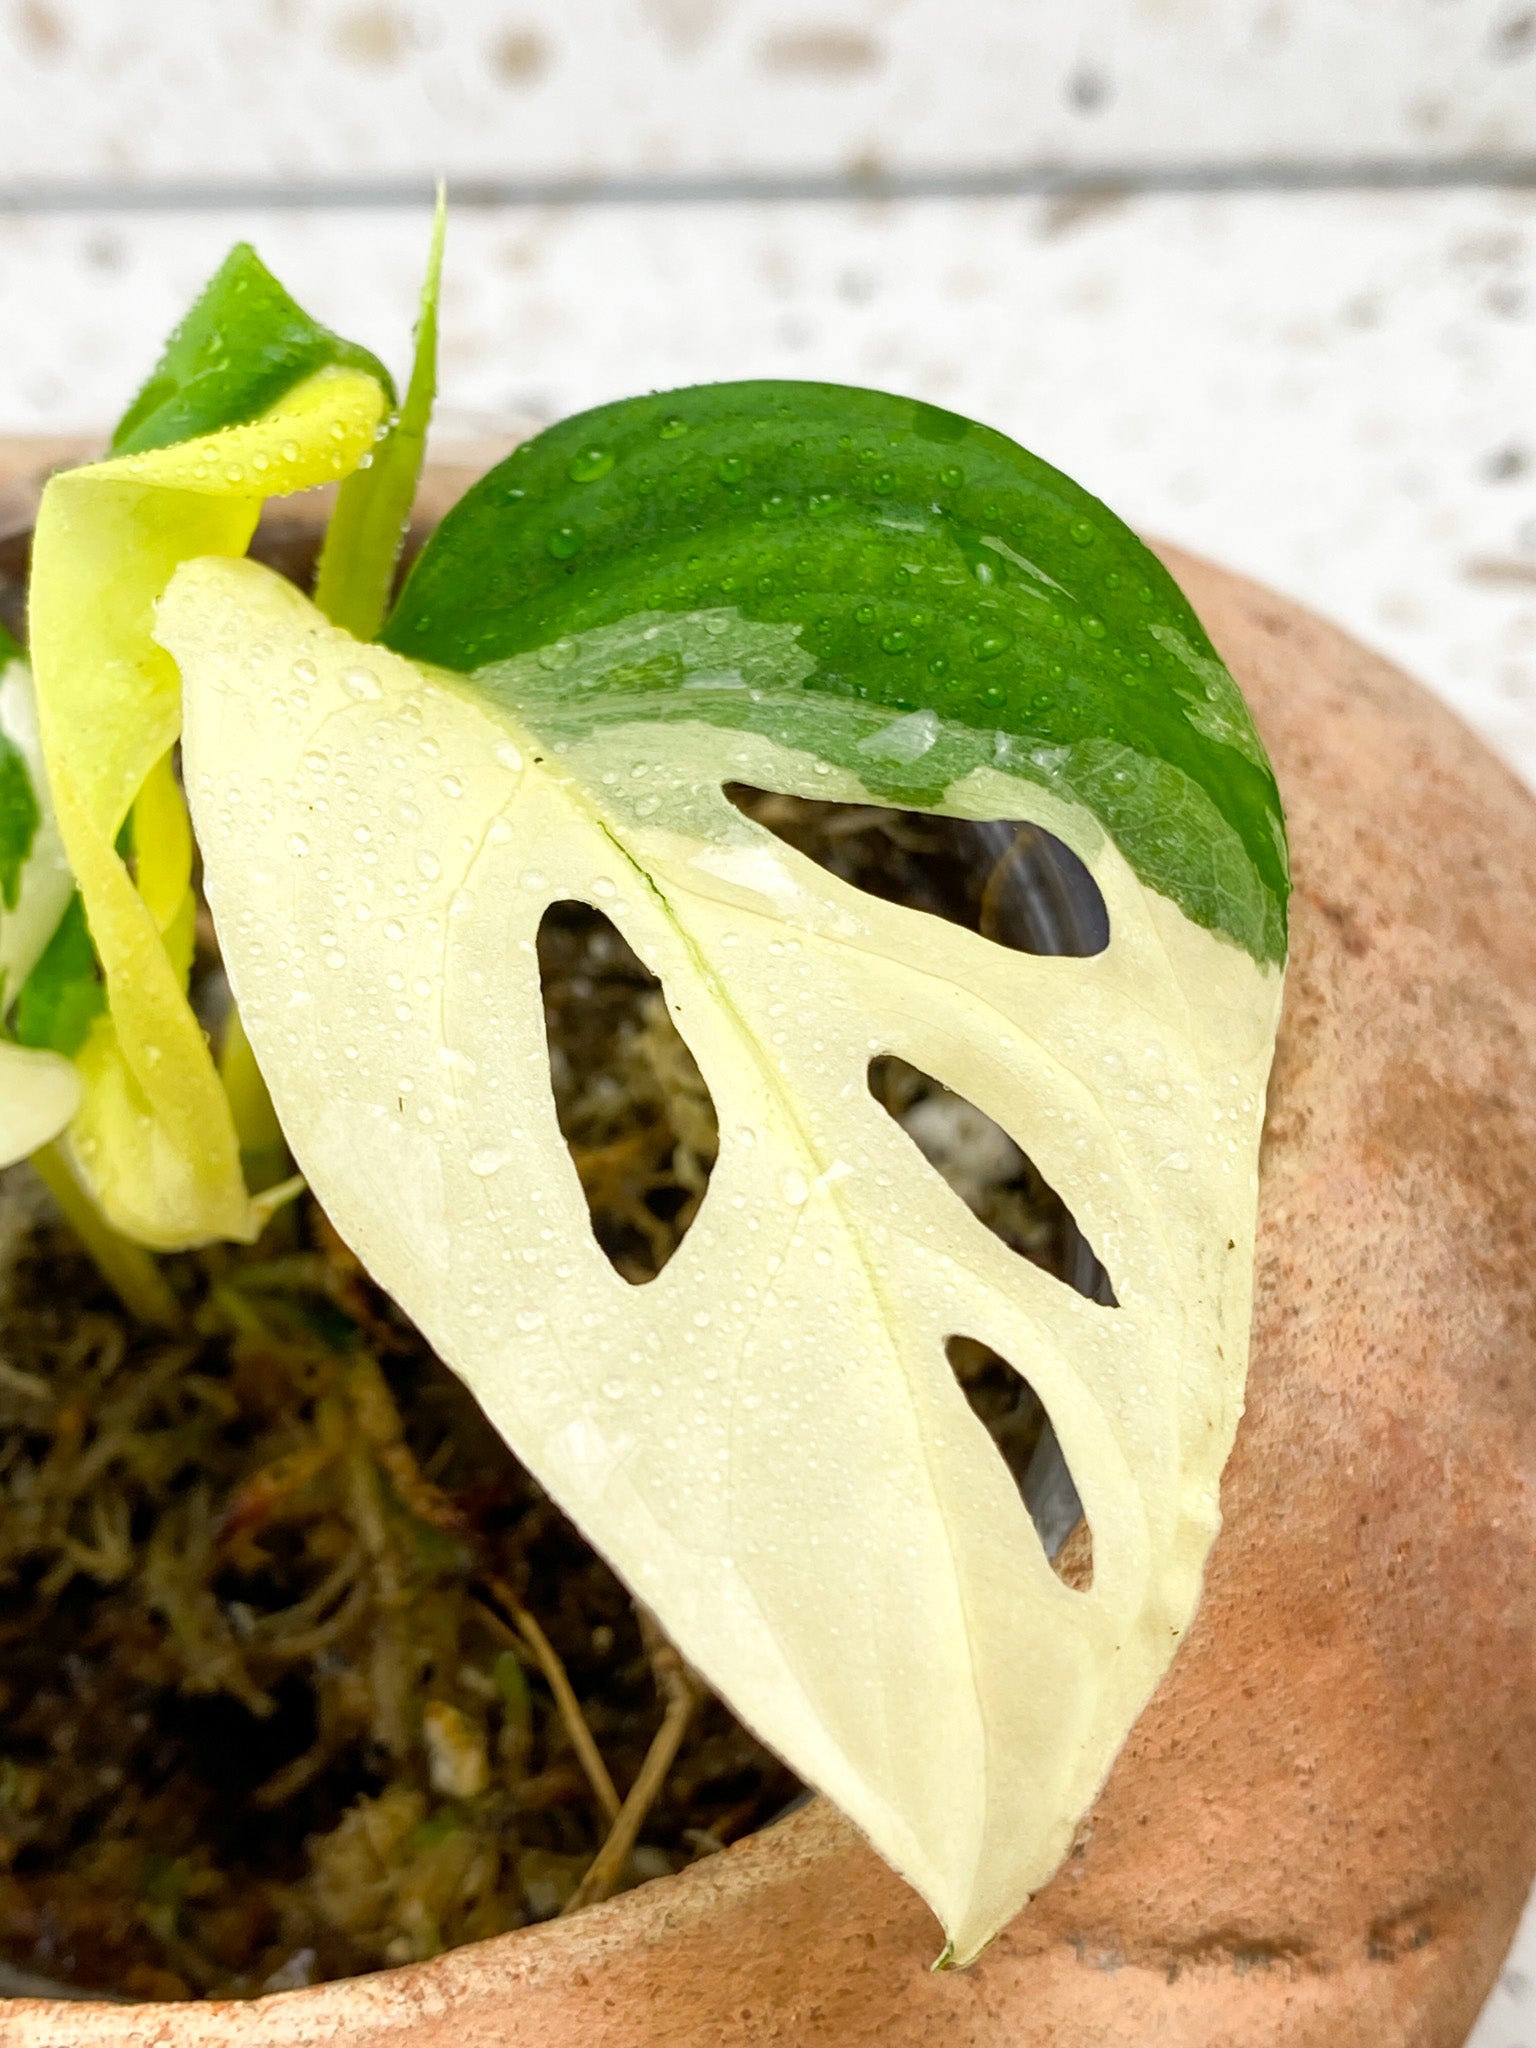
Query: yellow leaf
[[154, 1141], [162, 849]]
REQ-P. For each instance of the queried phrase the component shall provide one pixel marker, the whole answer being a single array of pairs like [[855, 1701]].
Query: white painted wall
[[1334, 390]]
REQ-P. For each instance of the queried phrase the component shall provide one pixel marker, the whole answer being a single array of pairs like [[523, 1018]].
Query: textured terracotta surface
[[1321, 1832]]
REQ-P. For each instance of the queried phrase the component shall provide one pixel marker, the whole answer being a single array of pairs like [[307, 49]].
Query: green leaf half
[[917, 567]]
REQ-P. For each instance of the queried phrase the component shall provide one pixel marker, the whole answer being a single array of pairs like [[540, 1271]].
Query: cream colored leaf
[[39, 1093], [766, 1440]]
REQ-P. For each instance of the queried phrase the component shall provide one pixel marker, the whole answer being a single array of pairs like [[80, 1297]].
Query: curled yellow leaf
[[154, 1140]]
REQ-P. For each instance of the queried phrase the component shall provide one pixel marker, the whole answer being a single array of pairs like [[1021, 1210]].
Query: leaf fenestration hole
[[992, 1175], [1004, 1402], [634, 1110], [1010, 881]]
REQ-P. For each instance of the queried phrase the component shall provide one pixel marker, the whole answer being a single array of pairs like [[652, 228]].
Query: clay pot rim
[[650, 1914]]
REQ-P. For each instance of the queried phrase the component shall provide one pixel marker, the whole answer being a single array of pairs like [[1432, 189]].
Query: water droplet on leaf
[[589, 465]]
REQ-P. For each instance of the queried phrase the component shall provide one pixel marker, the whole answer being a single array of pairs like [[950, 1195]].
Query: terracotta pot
[[1322, 1830]]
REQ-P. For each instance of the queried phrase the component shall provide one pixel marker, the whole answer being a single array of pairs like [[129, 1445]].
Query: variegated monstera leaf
[[833, 594]]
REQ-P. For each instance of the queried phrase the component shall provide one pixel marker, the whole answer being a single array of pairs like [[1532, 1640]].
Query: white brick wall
[[353, 89], [1334, 391]]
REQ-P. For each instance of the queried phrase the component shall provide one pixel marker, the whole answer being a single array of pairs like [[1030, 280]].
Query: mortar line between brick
[[1355, 175]]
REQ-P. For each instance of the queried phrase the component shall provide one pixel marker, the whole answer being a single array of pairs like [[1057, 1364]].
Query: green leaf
[[766, 1440], [19, 816], [915, 564], [373, 507], [63, 995], [243, 344]]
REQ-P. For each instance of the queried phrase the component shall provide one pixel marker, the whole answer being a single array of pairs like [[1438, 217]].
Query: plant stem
[[681, 1692], [390, 1661], [373, 506], [126, 1266], [529, 1637], [263, 1149]]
